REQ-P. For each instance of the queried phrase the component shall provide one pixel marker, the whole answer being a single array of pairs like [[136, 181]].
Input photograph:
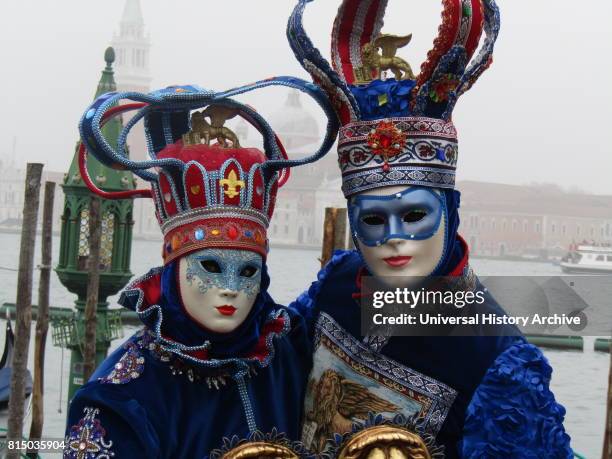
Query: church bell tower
[[132, 45]]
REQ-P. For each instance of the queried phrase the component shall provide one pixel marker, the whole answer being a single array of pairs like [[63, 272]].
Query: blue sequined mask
[[413, 214], [235, 270]]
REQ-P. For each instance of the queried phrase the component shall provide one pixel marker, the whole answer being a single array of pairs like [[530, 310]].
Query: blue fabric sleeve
[[306, 304], [108, 425], [513, 413]]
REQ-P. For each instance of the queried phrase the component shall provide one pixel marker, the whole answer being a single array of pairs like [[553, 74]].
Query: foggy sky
[[538, 115]]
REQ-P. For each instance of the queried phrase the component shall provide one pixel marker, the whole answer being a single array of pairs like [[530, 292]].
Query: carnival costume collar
[[154, 297]]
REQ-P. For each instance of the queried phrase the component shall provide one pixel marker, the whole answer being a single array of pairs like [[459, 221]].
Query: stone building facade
[[537, 221]]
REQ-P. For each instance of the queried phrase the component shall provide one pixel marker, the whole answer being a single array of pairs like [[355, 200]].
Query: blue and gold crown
[[397, 130], [209, 191]]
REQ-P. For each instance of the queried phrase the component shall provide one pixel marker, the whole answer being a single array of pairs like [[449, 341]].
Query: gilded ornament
[[385, 442], [203, 130], [232, 183], [374, 63], [260, 450]]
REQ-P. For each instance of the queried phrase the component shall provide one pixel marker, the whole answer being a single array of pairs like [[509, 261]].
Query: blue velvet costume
[[146, 402], [489, 396]]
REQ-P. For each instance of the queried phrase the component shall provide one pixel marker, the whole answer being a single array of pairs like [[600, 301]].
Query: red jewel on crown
[[386, 140], [233, 233]]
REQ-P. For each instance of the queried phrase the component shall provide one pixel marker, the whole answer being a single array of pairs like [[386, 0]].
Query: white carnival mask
[[400, 231], [218, 287]]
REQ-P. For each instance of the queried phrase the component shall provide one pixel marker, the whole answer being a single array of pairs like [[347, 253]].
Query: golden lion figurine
[[376, 63], [203, 130]]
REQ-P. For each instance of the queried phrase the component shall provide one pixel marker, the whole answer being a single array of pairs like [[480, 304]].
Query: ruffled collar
[[178, 335]]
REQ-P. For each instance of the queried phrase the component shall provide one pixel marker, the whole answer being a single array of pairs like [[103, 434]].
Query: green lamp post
[[115, 248]]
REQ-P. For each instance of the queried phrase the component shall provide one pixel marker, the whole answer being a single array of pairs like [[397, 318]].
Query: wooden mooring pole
[[23, 307], [334, 233], [42, 319], [93, 287]]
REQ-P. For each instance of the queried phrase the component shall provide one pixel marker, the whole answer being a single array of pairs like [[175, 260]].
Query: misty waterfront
[[579, 378]]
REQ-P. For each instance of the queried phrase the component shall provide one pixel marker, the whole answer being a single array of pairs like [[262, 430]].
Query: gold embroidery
[[338, 401]]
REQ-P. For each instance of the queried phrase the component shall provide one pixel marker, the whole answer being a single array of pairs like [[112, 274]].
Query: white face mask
[[218, 287], [402, 258]]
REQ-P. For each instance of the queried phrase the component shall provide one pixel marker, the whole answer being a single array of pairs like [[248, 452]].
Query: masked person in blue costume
[[419, 396], [219, 369]]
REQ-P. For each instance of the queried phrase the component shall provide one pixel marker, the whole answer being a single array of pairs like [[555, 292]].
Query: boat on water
[[588, 259], [6, 363]]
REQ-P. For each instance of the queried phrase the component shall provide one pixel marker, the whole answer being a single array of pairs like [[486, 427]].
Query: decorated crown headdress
[[208, 190], [396, 127]]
